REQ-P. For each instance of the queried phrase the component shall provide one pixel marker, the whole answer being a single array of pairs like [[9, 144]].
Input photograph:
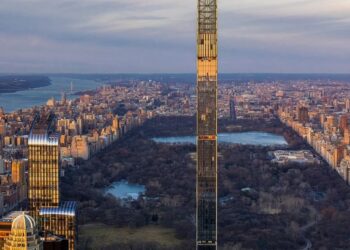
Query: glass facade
[[44, 172], [54, 217], [60, 221], [207, 80]]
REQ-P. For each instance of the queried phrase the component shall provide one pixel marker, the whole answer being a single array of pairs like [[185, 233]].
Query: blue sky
[[156, 36]]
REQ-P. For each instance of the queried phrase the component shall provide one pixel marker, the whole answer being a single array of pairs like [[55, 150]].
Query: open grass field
[[102, 235]]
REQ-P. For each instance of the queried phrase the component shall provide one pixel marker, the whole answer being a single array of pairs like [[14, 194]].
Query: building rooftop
[[67, 208], [43, 139], [12, 215], [43, 123], [23, 222]]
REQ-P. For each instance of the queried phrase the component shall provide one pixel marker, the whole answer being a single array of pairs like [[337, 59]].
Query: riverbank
[[29, 98], [15, 83]]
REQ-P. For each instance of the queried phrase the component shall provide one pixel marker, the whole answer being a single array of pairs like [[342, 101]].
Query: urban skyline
[[92, 160]]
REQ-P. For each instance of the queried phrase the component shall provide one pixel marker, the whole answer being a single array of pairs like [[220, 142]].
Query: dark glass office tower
[[207, 80], [44, 167]]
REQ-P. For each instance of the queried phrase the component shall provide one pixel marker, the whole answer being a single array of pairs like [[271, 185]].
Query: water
[[245, 138], [125, 190], [38, 96]]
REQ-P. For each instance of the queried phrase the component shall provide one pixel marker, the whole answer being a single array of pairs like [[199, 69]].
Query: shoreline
[[28, 94], [13, 84]]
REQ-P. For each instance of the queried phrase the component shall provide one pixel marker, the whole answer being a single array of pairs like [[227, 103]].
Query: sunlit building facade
[[44, 165], [6, 224], [24, 235], [61, 221], [207, 83], [19, 178], [5, 230]]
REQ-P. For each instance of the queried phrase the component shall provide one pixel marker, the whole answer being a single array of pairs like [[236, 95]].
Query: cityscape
[[170, 161]]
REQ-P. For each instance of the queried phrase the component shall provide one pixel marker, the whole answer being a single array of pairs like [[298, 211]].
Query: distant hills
[[13, 83], [226, 77]]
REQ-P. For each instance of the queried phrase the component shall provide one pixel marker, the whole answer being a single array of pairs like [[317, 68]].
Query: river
[[38, 96]]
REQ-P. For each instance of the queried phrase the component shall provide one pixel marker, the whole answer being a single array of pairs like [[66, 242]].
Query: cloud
[[125, 36]]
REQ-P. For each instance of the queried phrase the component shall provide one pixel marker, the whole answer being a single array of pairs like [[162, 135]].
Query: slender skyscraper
[[207, 78], [233, 115]]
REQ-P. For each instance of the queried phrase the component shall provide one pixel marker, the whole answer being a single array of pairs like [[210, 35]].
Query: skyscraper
[[207, 78], [18, 177], [44, 169], [45, 205], [233, 115], [303, 114], [61, 221], [343, 123]]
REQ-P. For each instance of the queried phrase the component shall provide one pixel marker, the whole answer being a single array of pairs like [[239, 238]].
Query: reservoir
[[125, 190], [244, 138]]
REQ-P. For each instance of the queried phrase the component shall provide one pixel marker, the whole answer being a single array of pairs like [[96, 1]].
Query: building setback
[[44, 168], [61, 221], [54, 217]]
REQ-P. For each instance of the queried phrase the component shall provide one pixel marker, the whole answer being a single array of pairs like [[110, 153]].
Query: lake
[[125, 190], [244, 138], [38, 96]]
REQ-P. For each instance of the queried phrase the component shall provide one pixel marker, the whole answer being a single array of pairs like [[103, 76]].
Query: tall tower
[[44, 167], [53, 215], [207, 80], [233, 115]]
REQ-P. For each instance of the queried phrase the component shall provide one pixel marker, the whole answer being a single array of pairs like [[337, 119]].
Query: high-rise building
[[347, 105], [346, 139], [18, 177], [61, 221], [207, 81], [24, 235], [233, 115], [343, 123], [44, 165], [303, 114], [331, 122], [44, 182]]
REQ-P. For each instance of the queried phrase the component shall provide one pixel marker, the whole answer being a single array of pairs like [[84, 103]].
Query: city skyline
[[122, 37], [108, 141]]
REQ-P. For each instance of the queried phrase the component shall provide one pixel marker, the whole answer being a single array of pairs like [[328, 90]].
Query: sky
[[159, 36]]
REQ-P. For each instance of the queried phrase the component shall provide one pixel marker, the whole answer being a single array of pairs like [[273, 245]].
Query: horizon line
[[178, 73]]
